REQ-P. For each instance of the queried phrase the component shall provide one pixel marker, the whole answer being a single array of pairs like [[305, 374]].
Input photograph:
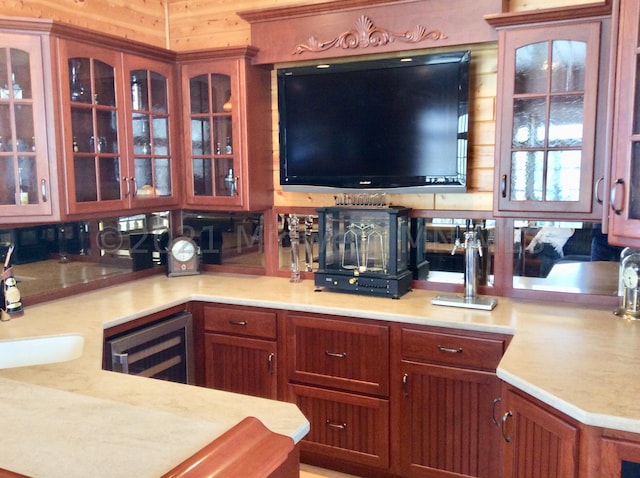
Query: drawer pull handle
[[493, 413], [337, 426], [335, 354], [505, 417], [238, 322], [405, 385], [270, 363], [449, 350]]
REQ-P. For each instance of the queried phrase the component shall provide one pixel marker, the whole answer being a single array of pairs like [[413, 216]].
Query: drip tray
[[481, 303]]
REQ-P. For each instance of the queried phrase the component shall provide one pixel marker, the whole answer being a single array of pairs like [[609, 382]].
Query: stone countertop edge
[[578, 360]]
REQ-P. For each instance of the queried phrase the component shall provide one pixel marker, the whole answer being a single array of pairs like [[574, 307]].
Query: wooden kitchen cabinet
[[539, 441], [227, 129], [625, 201], [240, 350], [443, 395], [550, 141], [619, 455], [338, 375], [28, 189], [118, 135]]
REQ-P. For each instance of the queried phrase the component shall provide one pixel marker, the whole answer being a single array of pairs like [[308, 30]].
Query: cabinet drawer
[[240, 321], [338, 354], [452, 349], [345, 426]]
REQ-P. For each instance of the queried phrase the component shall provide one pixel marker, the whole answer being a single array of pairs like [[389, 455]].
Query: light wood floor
[[308, 471]]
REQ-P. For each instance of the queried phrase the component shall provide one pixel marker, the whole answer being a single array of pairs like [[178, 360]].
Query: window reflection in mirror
[[446, 261], [227, 238], [572, 257], [307, 242]]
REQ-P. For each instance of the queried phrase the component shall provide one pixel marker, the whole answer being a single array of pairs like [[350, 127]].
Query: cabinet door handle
[[241, 323], [335, 354], [270, 363], [128, 188], [505, 417], [135, 186], [43, 189], [449, 350], [405, 385], [597, 191], [619, 184], [493, 411], [336, 426], [503, 186]]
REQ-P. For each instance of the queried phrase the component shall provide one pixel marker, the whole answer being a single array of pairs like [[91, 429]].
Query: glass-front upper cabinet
[[24, 157], [227, 122], [96, 180], [625, 195], [151, 104], [547, 119]]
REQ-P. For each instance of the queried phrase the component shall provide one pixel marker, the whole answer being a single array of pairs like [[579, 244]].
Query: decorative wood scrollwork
[[366, 34]]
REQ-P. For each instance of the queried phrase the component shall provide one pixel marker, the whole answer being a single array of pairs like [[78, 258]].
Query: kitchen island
[[577, 360]]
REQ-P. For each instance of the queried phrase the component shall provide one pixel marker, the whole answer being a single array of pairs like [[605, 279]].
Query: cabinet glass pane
[[109, 178], [527, 173], [163, 176], [20, 75], [634, 196], [200, 136], [104, 84], [202, 177], [7, 187], [563, 175], [107, 129], [25, 140], [28, 179], [221, 93], [223, 135], [5, 126], [636, 101], [225, 177], [529, 122], [144, 176], [568, 65], [159, 93], [84, 169], [82, 127], [531, 68], [80, 79], [199, 93], [141, 134], [629, 469], [566, 117], [161, 136], [139, 90]]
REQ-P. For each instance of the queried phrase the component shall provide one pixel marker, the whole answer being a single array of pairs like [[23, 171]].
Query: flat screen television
[[392, 125]]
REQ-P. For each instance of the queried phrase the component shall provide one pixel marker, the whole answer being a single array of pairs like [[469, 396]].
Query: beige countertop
[[582, 361]]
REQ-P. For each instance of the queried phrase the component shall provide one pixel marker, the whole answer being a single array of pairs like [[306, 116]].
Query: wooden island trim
[[247, 449]]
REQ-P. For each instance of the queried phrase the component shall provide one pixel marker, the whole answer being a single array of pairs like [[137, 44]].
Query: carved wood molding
[[365, 35]]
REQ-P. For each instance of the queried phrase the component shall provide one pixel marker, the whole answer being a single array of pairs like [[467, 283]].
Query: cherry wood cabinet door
[[620, 458], [625, 200], [446, 426], [241, 365], [546, 133], [538, 443], [26, 192]]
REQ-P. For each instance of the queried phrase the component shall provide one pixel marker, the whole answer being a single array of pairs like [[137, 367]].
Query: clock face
[[183, 250], [182, 258], [630, 277]]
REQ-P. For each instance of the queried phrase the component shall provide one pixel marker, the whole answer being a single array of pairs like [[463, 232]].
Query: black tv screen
[[382, 124]]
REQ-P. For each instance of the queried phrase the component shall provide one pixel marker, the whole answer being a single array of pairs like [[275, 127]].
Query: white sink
[[40, 350]]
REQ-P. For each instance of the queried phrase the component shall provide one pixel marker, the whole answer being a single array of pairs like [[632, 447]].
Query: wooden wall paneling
[[139, 20]]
